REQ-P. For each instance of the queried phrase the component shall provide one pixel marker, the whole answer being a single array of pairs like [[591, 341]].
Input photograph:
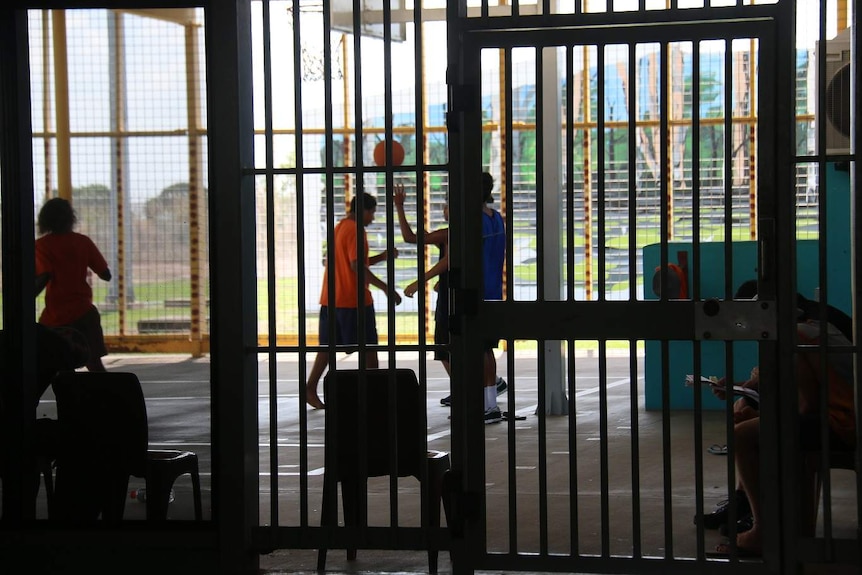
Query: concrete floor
[[177, 394]]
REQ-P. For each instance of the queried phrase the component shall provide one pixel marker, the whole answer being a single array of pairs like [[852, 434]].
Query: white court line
[[532, 408], [432, 437]]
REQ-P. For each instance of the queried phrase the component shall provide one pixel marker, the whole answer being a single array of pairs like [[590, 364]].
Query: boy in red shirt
[[63, 261]]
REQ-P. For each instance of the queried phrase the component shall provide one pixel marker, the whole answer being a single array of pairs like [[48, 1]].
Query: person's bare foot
[[750, 540], [312, 399], [748, 544]]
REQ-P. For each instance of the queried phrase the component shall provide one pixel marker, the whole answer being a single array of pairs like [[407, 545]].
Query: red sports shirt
[[67, 257]]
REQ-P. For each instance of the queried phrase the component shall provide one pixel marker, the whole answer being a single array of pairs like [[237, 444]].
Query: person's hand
[[393, 295], [398, 195], [718, 388], [411, 289], [754, 379]]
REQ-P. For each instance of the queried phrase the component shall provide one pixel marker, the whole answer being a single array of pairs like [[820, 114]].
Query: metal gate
[[611, 464]]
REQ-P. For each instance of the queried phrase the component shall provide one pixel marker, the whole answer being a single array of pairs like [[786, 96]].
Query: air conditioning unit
[[837, 104]]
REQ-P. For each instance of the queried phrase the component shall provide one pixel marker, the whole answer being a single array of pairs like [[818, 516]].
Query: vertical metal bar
[[16, 157], [301, 263], [506, 186], [728, 287], [512, 448], [271, 304], [728, 167], [695, 263], [539, 82], [600, 165], [664, 67], [330, 489], [632, 197], [574, 544], [422, 183], [358, 126], [604, 459], [390, 270], [541, 411], [570, 177], [634, 408], [823, 176], [233, 338], [856, 252], [634, 395], [694, 292]]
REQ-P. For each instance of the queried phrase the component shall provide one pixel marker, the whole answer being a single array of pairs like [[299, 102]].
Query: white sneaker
[[493, 415]]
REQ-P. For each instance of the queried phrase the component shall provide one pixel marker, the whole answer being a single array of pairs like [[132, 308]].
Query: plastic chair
[[164, 466], [359, 443], [838, 459], [103, 441]]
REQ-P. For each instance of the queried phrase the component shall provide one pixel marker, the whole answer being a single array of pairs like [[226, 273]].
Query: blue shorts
[[347, 325]]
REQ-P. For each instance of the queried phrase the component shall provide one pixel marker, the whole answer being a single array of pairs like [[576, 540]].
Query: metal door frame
[[475, 320]]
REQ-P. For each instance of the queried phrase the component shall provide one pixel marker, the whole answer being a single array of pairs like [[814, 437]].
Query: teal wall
[[744, 261]]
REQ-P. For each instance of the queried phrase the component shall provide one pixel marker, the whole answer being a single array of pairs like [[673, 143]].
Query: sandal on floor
[[717, 449]]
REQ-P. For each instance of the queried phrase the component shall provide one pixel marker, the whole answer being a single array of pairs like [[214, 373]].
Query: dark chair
[[838, 459], [103, 440], [359, 443]]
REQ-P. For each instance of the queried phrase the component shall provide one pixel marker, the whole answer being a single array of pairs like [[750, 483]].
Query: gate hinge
[[462, 302], [461, 99]]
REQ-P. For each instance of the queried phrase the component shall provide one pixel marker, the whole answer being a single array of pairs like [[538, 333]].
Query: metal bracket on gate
[[461, 507], [461, 99], [462, 302], [735, 320]]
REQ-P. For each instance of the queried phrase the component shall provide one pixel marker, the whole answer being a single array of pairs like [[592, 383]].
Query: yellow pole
[[61, 95], [47, 120], [752, 146], [198, 302], [503, 145], [119, 180], [588, 192]]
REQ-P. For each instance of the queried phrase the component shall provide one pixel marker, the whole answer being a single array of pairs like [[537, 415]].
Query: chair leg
[[328, 517], [158, 499], [351, 500], [809, 479], [196, 488], [437, 469], [114, 497], [434, 496], [48, 475]]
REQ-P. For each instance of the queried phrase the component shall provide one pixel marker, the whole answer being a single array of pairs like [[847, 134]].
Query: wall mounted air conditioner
[[837, 101]]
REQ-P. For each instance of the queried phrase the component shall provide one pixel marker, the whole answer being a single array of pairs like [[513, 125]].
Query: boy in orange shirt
[[345, 268]]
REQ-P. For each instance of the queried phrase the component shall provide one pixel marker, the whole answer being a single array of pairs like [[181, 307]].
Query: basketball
[[380, 153]]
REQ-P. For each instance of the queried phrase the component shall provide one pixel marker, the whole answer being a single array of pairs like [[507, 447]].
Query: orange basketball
[[380, 153]]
